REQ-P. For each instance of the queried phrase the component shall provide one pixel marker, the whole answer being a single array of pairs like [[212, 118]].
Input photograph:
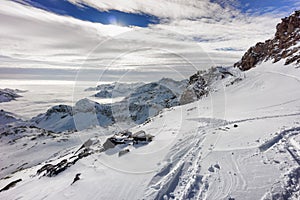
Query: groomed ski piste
[[242, 141]]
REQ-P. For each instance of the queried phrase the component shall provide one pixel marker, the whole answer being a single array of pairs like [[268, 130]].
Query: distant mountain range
[[142, 102]]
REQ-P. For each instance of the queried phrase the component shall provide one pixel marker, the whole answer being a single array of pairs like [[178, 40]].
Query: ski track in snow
[[209, 158], [186, 172], [264, 117]]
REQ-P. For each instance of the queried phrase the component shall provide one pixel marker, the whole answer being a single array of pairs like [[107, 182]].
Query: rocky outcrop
[[284, 46], [7, 94], [10, 185], [201, 83], [147, 100], [104, 94], [88, 148], [59, 109], [51, 170]]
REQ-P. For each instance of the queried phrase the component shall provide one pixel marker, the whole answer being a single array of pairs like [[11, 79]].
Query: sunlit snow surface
[[197, 153]]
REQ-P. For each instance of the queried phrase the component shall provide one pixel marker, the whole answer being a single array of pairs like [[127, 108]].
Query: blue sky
[[259, 7], [267, 6], [49, 39], [88, 13], [84, 11]]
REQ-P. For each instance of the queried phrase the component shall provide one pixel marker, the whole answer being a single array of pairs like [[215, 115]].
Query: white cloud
[[173, 9], [33, 34], [196, 31]]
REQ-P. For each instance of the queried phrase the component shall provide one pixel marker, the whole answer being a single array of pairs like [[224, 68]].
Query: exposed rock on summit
[[284, 46], [202, 82], [7, 94]]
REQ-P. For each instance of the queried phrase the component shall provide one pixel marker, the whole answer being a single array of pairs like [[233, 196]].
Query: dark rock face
[[60, 109], [7, 94], [51, 170], [280, 47], [196, 89], [104, 94], [10, 185], [148, 100], [77, 178], [200, 87], [201, 83]]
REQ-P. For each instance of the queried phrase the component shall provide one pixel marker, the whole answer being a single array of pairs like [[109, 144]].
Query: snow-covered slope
[[7, 117], [240, 142]]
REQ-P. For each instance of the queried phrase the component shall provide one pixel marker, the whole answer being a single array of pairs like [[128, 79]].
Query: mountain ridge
[[285, 45]]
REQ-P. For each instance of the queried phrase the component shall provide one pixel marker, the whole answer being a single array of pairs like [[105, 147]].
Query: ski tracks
[[180, 178]]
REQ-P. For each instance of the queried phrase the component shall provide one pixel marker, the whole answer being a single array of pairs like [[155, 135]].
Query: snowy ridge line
[[245, 120], [263, 117], [235, 149], [268, 144], [281, 104], [212, 121], [277, 72]]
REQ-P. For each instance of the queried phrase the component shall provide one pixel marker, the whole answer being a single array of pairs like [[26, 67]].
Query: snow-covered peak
[[85, 105], [7, 117], [64, 109], [9, 94], [177, 87], [115, 89], [84, 114]]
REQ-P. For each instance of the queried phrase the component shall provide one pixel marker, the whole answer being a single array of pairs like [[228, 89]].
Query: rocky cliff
[[7, 94], [285, 45], [204, 81]]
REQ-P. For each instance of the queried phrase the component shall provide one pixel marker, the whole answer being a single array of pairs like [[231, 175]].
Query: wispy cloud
[[203, 33]]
